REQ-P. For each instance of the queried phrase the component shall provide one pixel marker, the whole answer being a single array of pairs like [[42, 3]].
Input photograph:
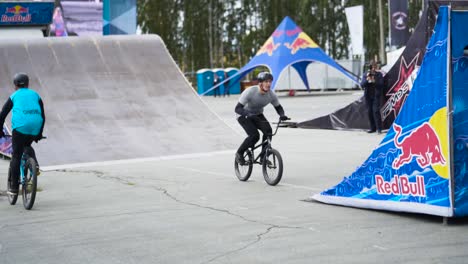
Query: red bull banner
[[410, 170], [459, 20], [26, 13]]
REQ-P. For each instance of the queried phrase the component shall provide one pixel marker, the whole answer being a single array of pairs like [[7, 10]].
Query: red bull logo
[[401, 185], [17, 10], [302, 41], [423, 144], [16, 14], [269, 47]]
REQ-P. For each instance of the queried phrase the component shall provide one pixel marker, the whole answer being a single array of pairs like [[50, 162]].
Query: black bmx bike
[[270, 159], [29, 170]]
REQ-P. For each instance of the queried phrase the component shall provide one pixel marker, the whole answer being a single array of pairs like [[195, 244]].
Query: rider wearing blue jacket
[[27, 122]]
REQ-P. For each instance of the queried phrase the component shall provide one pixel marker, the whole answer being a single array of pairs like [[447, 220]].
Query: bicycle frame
[[24, 158], [267, 143]]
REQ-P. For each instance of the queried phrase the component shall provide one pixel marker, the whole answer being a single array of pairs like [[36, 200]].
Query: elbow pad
[[279, 109], [240, 109]]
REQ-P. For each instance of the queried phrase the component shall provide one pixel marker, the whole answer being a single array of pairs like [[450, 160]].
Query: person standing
[[216, 82], [373, 84], [226, 85]]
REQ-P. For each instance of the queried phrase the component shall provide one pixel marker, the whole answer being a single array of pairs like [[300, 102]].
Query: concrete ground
[[192, 209]]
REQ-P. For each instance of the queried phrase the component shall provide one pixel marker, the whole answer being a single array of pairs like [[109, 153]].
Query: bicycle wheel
[[11, 198], [29, 186], [243, 172], [272, 167]]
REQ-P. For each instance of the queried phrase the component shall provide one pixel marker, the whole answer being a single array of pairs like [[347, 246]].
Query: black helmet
[[263, 76], [21, 79]]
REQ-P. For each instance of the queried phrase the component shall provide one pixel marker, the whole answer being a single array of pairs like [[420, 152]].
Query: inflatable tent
[[288, 46]]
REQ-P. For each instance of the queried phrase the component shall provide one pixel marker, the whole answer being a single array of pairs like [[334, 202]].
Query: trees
[[161, 17], [227, 33]]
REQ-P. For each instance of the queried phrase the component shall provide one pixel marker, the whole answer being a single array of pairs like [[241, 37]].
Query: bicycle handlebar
[[277, 125]]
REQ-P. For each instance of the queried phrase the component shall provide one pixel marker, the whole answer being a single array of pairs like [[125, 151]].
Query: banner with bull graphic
[[23, 13], [460, 110], [410, 169]]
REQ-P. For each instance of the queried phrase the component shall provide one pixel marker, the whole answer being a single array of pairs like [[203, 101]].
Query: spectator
[[216, 82], [373, 84], [226, 85]]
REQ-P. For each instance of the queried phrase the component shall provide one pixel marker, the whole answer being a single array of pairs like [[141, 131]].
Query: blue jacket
[[27, 112]]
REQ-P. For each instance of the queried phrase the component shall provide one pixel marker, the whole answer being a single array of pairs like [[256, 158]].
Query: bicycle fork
[[22, 179], [266, 149]]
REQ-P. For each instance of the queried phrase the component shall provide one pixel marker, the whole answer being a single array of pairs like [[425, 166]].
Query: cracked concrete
[[258, 236], [173, 197]]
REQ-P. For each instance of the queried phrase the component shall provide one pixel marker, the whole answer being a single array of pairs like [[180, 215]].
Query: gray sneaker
[[12, 191]]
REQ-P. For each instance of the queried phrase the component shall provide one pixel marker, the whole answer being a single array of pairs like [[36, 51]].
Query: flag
[[399, 32]]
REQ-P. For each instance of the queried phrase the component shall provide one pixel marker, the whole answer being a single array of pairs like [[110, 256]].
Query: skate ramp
[[112, 98]]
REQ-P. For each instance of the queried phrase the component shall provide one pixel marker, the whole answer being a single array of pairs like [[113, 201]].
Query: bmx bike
[[269, 158], [29, 171]]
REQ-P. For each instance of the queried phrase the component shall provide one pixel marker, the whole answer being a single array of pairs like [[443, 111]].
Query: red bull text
[[401, 185], [16, 14], [423, 144]]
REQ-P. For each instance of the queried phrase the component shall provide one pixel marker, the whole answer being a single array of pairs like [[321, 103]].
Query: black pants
[[216, 91], [373, 111], [227, 89], [251, 127], [19, 142]]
